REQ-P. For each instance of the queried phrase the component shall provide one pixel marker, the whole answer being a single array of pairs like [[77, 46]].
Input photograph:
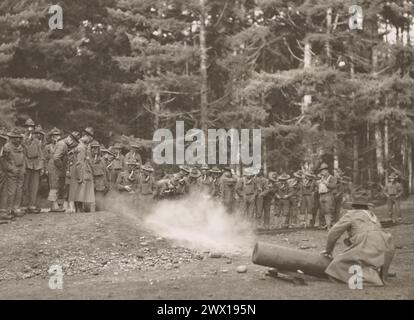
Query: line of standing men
[[80, 171], [303, 194]]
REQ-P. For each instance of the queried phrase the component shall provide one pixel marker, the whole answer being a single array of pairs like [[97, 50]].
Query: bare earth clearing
[[107, 256]]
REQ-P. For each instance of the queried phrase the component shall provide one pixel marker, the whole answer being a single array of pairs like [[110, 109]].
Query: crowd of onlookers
[[81, 173]]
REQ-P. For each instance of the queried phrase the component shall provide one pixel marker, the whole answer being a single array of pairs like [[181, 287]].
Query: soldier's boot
[[72, 208], [5, 215], [55, 207], [18, 213]]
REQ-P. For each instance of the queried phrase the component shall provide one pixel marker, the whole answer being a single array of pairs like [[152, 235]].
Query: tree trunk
[[368, 146], [203, 67], [410, 167], [355, 170], [379, 153], [386, 148]]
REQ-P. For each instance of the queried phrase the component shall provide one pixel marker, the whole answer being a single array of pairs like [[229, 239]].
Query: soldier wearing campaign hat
[[128, 180], [247, 189], [205, 180], [393, 191], [100, 175], [308, 190], [227, 185], [118, 164], [58, 165], [15, 167], [133, 154], [4, 214], [147, 187], [283, 194], [326, 188], [35, 166]]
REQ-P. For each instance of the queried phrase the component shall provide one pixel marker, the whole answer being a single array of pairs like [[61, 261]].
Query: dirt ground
[[107, 256]]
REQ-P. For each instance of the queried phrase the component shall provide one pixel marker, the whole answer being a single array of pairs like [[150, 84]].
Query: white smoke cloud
[[200, 223]]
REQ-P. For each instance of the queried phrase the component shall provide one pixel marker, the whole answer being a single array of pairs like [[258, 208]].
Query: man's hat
[[195, 173], [107, 151], [323, 166], [55, 132], [135, 145], [185, 169], [132, 162], [205, 167], [339, 170], [393, 176], [147, 168], [75, 136], [3, 135], [89, 131], [117, 145], [273, 176], [95, 144], [29, 123], [283, 177], [249, 172], [310, 175], [215, 169], [40, 130], [14, 133], [298, 174], [227, 168]]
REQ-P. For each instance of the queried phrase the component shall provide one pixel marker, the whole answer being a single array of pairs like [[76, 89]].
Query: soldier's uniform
[[308, 190], [215, 174], [14, 163], [283, 194], [133, 155], [205, 180], [393, 190], [147, 187], [262, 182], [85, 191], [326, 187], [100, 175], [70, 183], [193, 181], [117, 164], [247, 189], [57, 173], [268, 194], [128, 180], [4, 215], [228, 190], [296, 197], [35, 164]]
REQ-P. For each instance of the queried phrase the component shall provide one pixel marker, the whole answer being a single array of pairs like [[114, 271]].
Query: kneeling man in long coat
[[368, 246]]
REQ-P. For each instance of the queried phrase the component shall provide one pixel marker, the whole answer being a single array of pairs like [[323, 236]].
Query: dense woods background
[[319, 90]]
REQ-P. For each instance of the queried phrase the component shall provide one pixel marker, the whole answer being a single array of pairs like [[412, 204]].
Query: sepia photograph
[[206, 156]]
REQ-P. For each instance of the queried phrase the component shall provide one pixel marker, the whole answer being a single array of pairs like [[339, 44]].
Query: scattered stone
[[144, 244], [229, 261], [304, 247], [224, 271], [241, 269]]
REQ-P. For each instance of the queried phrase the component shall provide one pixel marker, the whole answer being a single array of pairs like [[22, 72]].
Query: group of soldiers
[[79, 170], [82, 173]]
